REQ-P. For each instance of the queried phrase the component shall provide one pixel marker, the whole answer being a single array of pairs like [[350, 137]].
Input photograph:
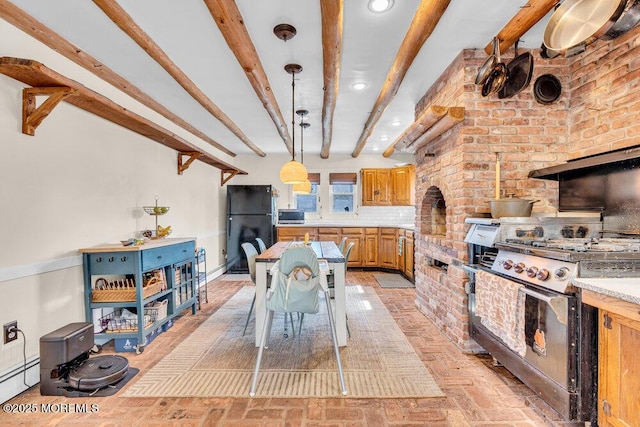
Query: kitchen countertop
[[343, 225], [625, 289]]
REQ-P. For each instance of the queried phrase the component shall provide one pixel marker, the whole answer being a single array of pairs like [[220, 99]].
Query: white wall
[[267, 171], [79, 182]]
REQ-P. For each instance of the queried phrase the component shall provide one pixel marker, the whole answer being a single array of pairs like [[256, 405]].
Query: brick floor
[[477, 393]]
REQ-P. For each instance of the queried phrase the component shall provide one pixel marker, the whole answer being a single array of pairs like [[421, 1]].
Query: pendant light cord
[[293, 116]]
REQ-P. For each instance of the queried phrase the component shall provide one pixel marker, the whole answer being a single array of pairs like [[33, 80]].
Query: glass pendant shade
[[293, 173], [304, 188]]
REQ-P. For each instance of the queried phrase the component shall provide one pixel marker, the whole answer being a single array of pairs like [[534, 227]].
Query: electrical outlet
[[10, 331]]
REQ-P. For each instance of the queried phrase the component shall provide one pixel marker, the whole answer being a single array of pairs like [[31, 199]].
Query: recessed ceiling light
[[396, 123], [374, 148], [384, 138], [359, 85], [379, 6]]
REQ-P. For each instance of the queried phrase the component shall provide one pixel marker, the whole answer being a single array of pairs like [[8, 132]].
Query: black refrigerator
[[251, 213]]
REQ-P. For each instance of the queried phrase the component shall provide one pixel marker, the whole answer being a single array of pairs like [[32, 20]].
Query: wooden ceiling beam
[[427, 118], [424, 22], [332, 24], [227, 17], [126, 23], [21, 20], [528, 15]]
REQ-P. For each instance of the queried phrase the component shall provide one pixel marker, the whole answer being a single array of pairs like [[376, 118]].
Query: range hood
[[629, 157]]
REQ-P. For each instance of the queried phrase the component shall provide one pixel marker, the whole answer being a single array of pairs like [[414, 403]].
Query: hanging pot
[[511, 206], [485, 70], [630, 18], [497, 77], [578, 23], [520, 70]]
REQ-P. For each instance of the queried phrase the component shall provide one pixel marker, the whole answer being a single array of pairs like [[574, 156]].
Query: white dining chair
[[295, 286]]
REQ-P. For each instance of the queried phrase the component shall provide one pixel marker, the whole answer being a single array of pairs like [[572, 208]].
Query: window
[[309, 202], [342, 191]]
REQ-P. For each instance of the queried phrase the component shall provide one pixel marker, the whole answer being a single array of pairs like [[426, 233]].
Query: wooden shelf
[[433, 122], [60, 88]]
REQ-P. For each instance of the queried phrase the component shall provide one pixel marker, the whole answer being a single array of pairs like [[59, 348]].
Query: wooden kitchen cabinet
[[376, 187], [619, 375], [618, 361], [403, 185], [388, 187], [355, 235], [388, 248], [370, 247], [326, 234], [287, 234], [409, 249]]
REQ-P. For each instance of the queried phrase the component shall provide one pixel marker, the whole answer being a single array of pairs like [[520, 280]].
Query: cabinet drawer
[[159, 257], [112, 262], [328, 230], [389, 231], [352, 231]]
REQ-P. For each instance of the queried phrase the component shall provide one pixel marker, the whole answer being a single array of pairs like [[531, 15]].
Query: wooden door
[[402, 185], [619, 370], [388, 248], [383, 187], [355, 235], [409, 255], [368, 185], [370, 248]]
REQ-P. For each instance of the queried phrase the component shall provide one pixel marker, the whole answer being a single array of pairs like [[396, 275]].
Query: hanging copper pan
[[578, 23], [497, 77], [485, 70]]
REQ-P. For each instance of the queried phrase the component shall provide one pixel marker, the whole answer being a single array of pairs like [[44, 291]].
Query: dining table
[[331, 260]]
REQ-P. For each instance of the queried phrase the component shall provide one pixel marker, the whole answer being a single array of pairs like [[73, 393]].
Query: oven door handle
[[559, 304]]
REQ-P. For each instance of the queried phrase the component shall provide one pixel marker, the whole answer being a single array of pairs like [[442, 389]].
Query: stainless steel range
[[525, 311]]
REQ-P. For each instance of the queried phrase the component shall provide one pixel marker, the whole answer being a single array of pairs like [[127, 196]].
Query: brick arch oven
[[433, 213], [454, 176], [440, 279]]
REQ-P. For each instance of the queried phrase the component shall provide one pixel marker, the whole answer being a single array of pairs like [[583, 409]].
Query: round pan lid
[[547, 88]]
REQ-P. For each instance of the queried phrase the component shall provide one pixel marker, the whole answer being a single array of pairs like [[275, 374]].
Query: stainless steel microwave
[[290, 216]]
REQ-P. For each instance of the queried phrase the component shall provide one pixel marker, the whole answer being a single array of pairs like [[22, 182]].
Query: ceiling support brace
[[183, 166], [32, 116], [231, 172]]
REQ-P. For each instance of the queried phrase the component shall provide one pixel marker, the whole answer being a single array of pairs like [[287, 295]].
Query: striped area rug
[[217, 361]]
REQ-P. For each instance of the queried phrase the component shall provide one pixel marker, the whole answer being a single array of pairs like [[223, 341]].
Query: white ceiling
[[186, 32]]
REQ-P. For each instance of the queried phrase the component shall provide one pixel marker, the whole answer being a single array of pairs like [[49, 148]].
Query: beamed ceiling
[[215, 67]]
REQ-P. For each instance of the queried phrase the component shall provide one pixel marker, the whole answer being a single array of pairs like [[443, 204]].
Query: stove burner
[[595, 245]]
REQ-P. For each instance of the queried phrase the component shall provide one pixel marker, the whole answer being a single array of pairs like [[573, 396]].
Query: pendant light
[[293, 172], [305, 187]]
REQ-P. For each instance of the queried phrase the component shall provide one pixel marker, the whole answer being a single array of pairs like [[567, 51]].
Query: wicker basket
[[114, 324], [105, 291], [157, 310]]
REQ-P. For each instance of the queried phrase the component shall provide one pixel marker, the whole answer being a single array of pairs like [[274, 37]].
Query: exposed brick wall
[[598, 111], [461, 165], [605, 104]]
